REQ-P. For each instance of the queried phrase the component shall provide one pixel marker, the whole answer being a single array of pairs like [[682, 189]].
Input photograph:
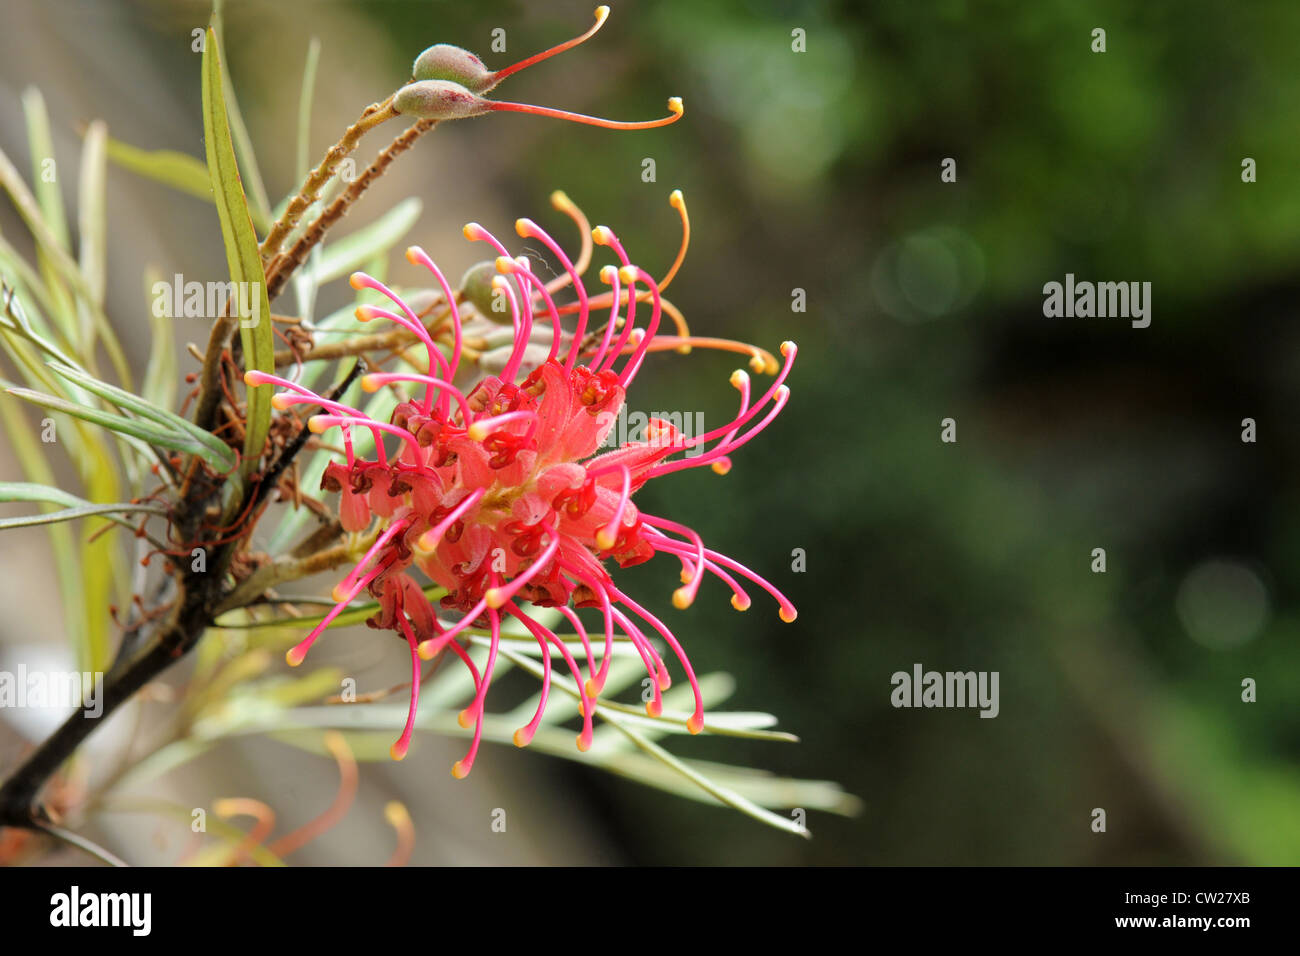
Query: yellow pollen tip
[[758, 365], [338, 594], [739, 603], [783, 391], [413, 255], [506, 265], [788, 615], [397, 751], [396, 814], [787, 347], [675, 199], [294, 657], [654, 708], [560, 200], [739, 377], [607, 275], [477, 432], [472, 230], [370, 383], [600, 235], [427, 542], [494, 598], [357, 280], [315, 425], [280, 402], [464, 719], [459, 770], [721, 467], [675, 105], [681, 599], [522, 737], [664, 680], [628, 273], [685, 576], [425, 650], [524, 227], [364, 313], [583, 743], [593, 691], [695, 723], [602, 12], [604, 540], [253, 378]]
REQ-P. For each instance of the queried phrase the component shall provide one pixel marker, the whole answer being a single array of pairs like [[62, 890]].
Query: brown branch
[[371, 117], [279, 271]]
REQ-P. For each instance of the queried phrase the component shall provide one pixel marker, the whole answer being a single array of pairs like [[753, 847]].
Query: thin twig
[[371, 117], [279, 271]]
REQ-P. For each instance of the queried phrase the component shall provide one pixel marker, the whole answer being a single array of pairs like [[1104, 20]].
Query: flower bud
[[442, 61], [438, 100], [476, 287]]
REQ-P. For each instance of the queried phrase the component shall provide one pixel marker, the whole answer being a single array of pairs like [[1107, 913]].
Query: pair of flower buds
[[448, 83]]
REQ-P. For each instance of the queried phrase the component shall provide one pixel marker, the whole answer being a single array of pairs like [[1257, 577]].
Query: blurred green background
[[820, 170]]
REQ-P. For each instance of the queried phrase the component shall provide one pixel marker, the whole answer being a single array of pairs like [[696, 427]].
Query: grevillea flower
[[499, 493]]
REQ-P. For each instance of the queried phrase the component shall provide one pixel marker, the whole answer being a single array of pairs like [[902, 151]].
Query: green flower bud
[[438, 100], [476, 287], [442, 61]]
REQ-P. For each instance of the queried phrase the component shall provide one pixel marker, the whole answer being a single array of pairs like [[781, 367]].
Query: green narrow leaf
[[720, 793], [92, 227], [160, 373], [65, 267], [242, 141], [116, 422], [304, 280], [78, 507], [241, 250], [44, 167], [146, 410], [13, 316], [49, 203], [20, 275], [34, 491], [100, 555], [36, 467], [180, 171], [304, 107]]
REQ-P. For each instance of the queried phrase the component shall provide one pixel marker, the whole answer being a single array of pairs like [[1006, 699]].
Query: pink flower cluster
[[498, 493]]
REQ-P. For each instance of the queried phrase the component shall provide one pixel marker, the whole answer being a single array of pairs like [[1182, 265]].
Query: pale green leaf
[[75, 507], [160, 373], [92, 229], [49, 202], [180, 171], [218, 450], [242, 254], [64, 266], [116, 422]]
